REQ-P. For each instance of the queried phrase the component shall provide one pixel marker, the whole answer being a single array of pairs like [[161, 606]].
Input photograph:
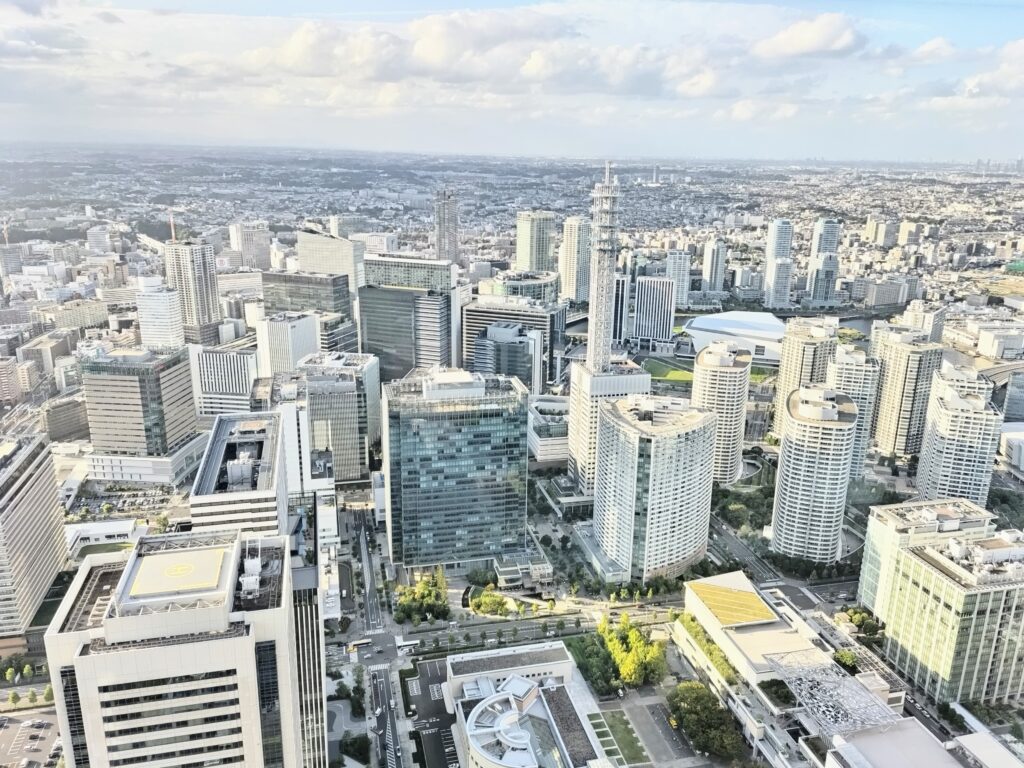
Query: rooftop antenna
[[6, 241], [174, 237], [607, 171]]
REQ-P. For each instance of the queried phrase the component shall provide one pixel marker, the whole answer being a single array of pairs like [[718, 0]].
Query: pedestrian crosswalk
[[380, 667], [378, 631]]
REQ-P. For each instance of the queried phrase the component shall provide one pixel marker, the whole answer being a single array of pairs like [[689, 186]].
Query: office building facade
[[655, 309], [455, 469], [511, 350], [677, 267], [160, 319], [283, 339], [179, 652], [221, 380]]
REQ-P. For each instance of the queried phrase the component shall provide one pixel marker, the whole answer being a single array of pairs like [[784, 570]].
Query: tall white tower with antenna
[[599, 378]]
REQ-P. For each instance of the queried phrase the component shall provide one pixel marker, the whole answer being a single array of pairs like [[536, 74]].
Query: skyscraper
[[220, 658], [32, 546], [327, 254], [455, 456], [542, 286], [825, 237], [677, 267], [510, 349], [930, 318], [574, 259], [413, 314], [192, 270], [531, 314], [856, 375], [1013, 405], [821, 283], [778, 273], [142, 419], [809, 343], [252, 240], [241, 483], [160, 324], [283, 339], [622, 328], [655, 309], [907, 363], [814, 474], [721, 383], [716, 255], [961, 437], [446, 226], [652, 501], [302, 291], [597, 379], [535, 241], [221, 380]]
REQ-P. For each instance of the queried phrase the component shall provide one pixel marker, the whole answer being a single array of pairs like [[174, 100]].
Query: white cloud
[[830, 34], [936, 49]]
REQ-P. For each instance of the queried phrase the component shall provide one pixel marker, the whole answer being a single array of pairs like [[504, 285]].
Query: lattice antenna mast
[[603, 258]]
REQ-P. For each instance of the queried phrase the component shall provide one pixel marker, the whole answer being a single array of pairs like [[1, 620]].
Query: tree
[[9, 674], [33, 697], [710, 728], [545, 540], [13, 698], [48, 693], [467, 637], [869, 627], [846, 659], [500, 634], [574, 589], [27, 672], [515, 632], [564, 542], [579, 622]]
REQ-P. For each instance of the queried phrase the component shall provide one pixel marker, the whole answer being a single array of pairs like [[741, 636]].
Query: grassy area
[[758, 374], [99, 549], [668, 370], [625, 738]]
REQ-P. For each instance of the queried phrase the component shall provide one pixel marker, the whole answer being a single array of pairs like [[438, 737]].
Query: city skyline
[[865, 81]]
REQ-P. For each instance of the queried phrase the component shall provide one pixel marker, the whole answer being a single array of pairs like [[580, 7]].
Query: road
[[384, 701], [729, 543], [371, 602]]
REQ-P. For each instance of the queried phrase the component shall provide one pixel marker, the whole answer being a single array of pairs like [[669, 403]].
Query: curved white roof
[[750, 325]]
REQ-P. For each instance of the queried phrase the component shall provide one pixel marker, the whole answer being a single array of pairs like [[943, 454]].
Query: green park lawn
[[667, 370]]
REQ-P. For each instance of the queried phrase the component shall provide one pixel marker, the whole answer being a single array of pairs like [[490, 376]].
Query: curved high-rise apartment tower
[[721, 383], [814, 474]]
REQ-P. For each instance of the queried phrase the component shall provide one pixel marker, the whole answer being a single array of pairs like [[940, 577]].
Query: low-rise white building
[[547, 434]]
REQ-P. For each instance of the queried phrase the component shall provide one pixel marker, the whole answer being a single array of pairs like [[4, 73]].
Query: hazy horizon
[[866, 81]]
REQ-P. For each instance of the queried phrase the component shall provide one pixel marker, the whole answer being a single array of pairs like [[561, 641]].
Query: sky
[[894, 80]]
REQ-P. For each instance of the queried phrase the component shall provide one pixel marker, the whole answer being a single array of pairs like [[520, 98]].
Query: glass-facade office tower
[[455, 463], [302, 291]]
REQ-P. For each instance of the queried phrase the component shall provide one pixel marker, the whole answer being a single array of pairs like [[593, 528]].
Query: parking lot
[[432, 721], [29, 735]]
